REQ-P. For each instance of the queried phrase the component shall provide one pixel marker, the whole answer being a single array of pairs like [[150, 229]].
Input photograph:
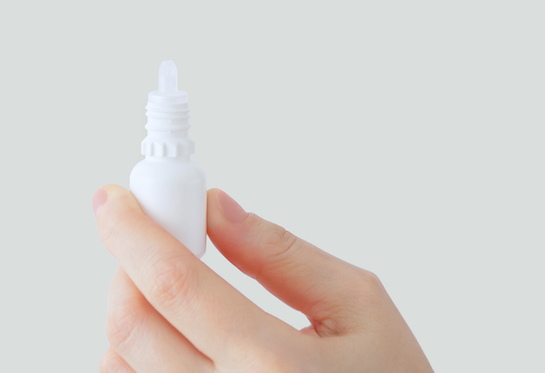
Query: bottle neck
[[168, 133]]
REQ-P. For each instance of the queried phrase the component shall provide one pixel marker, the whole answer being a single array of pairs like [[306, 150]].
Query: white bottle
[[168, 184]]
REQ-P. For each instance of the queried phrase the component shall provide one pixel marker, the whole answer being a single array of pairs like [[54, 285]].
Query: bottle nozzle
[[168, 77]]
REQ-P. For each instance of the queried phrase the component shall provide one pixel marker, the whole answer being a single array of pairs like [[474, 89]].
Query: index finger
[[216, 318]]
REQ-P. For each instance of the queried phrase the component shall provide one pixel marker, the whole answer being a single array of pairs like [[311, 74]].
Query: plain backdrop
[[405, 137]]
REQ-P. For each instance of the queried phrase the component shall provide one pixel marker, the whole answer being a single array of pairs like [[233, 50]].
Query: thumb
[[298, 273]]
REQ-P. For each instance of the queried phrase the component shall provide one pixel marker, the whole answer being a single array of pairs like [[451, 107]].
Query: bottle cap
[[168, 117]]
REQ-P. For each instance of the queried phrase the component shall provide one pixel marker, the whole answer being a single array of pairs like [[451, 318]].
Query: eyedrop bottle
[[168, 184]]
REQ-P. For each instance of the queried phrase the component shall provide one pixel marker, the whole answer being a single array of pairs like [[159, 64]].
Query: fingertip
[[115, 190], [118, 196], [106, 193], [213, 213], [119, 205], [100, 196], [212, 200], [223, 209], [230, 208]]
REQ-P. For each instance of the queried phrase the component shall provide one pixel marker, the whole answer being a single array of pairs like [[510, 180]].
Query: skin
[[169, 312]]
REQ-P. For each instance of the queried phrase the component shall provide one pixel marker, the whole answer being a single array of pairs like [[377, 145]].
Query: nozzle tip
[[168, 77]]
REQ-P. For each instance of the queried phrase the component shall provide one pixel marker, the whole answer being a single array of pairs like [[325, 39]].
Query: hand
[[169, 312]]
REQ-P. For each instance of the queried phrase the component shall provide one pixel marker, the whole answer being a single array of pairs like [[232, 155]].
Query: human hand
[[169, 312]]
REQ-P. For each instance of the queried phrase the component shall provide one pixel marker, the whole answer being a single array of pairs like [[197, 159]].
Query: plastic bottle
[[168, 184]]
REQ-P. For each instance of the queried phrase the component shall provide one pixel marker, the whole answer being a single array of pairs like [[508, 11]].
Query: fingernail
[[99, 198], [230, 208]]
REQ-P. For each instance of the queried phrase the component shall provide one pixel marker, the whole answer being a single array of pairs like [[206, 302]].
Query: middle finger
[[143, 338]]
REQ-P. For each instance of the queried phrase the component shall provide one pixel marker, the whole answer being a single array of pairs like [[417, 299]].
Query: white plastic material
[[168, 184]]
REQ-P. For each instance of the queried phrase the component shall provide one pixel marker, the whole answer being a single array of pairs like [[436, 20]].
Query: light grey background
[[405, 137]]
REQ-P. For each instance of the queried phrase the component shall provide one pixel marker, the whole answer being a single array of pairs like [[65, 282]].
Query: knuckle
[[171, 283], [281, 249], [370, 280], [279, 242], [368, 285], [121, 327], [108, 230]]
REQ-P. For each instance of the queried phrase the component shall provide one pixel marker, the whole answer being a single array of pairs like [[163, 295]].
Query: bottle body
[[172, 192]]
